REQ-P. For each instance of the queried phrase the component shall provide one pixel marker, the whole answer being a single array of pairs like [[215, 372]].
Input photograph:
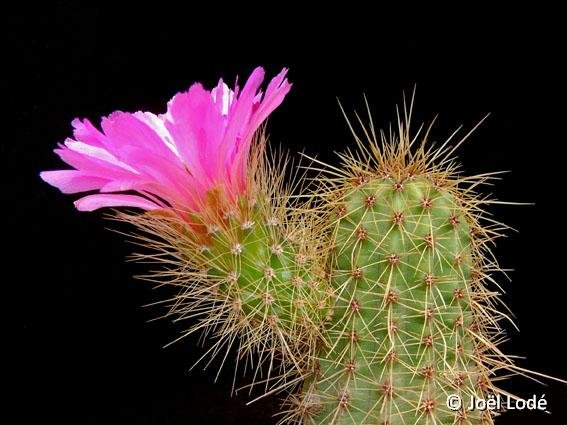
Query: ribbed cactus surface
[[401, 339], [266, 274], [250, 276], [415, 322]]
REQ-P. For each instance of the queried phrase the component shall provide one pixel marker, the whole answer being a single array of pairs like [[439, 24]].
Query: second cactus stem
[[413, 321]]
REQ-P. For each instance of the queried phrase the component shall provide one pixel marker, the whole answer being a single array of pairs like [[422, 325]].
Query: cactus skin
[[414, 319], [264, 274], [269, 279], [401, 337]]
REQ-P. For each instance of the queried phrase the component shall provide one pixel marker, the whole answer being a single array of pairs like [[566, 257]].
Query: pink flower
[[169, 161]]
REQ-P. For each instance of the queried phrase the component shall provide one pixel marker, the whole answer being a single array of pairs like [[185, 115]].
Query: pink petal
[[86, 132], [123, 185], [240, 115], [157, 124], [197, 126], [94, 202], [92, 165], [172, 178], [126, 130], [99, 153], [72, 181], [222, 97], [278, 88]]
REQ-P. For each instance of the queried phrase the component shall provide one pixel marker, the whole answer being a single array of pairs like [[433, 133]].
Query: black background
[[82, 350]]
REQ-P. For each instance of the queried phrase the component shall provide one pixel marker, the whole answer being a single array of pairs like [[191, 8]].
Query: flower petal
[[86, 132], [240, 115], [278, 88], [96, 152], [125, 131], [94, 202], [197, 126], [72, 181]]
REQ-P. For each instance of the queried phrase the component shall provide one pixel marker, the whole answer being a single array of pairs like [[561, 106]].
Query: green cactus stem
[[414, 320]]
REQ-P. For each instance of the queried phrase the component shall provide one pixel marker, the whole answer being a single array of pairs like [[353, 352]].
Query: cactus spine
[[413, 318]]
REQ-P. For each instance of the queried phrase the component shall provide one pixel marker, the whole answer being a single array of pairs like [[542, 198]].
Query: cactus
[[415, 318], [218, 219], [248, 272], [371, 301]]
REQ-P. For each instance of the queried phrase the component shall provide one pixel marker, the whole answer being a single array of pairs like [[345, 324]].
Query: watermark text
[[496, 403]]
